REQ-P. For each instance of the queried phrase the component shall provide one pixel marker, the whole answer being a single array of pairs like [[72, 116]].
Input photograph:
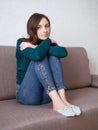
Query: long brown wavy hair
[[32, 26]]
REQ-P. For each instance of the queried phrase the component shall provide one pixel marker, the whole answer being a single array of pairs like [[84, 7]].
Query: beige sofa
[[82, 90]]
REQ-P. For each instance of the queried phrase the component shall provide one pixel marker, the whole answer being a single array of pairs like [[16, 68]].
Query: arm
[[58, 51], [36, 53]]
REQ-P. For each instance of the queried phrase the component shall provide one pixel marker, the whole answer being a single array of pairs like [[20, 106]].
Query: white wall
[[74, 23]]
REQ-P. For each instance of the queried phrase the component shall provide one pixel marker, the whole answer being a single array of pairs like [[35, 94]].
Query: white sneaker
[[76, 110], [66, 111]]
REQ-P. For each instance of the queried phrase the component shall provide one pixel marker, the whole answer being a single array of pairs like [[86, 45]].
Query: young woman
[[39, 71]]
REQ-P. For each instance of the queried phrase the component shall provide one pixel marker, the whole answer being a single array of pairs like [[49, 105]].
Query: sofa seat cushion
[[15, 116]]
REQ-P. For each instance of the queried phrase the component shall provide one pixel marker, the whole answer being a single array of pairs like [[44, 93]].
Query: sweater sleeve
[[36, 53], [57, 51]]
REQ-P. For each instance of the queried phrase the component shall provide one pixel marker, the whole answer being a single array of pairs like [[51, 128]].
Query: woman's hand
[[25, 45], [53, 41]]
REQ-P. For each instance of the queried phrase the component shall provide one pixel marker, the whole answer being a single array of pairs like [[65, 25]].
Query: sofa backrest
[[76, 68], [7, 72]]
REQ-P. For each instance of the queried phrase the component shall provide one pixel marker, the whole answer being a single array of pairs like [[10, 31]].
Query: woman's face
[[43, 30]]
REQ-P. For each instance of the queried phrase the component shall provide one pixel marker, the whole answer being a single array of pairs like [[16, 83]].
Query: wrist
[[33, 46]]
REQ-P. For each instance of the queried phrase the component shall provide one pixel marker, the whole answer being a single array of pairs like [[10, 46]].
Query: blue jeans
[[41, 78]]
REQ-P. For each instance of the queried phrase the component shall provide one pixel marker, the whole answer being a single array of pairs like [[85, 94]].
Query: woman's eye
[[47, 26]]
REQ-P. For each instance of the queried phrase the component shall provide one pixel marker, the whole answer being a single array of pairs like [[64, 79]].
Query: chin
[[44, 38]]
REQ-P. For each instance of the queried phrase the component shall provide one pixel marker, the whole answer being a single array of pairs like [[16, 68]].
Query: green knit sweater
[[24, 57]]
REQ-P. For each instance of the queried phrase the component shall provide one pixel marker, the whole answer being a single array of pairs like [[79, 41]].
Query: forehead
[[43, 21]]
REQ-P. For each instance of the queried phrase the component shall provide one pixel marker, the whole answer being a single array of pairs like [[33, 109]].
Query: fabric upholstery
[[79, 82], [76, 68], [94, 79], [7, 72], [15, 116]]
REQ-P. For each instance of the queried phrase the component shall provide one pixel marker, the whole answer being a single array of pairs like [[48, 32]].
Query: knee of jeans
[[53, 58]]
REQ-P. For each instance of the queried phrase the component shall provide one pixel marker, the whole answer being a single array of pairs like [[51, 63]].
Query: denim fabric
[[41, 77]]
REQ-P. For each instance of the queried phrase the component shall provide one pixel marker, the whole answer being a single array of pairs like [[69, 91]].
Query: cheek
[[49, 31]]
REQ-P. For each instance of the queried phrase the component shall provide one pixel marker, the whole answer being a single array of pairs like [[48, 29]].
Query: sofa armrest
[[94, 80]]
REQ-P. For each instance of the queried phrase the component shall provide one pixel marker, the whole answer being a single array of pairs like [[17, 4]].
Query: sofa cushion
[[76, 68], [15, 116], [7, 72], [94, 79]]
